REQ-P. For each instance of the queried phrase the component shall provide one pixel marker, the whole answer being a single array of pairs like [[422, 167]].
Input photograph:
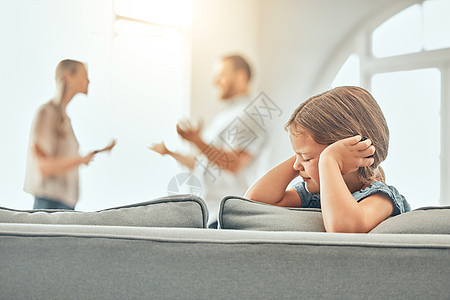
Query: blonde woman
[[53, 158], [339, 138]]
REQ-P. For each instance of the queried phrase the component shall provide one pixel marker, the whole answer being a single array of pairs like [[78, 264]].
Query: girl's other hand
[[350, 153]]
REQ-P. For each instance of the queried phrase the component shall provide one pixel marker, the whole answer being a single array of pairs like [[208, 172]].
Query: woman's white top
[[53, 132]]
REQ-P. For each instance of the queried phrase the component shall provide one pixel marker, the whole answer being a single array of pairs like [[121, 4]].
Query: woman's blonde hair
[[65, 66], [341, 113]]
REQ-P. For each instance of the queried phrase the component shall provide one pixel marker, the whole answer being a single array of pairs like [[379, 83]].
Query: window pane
[[400, 34], [349, 72], [146, 100], [164, 12], [122, 27], [411, 103], [436, 24]]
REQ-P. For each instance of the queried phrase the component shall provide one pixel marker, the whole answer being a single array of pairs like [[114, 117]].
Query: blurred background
[[150, 63]]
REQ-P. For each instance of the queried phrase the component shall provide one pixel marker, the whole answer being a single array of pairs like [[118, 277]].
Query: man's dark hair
[[239, 63]]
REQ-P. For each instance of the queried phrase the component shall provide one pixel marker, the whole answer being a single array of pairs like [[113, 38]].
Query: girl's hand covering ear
[[350, 153]]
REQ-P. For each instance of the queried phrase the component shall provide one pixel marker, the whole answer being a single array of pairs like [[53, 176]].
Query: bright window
[[174, 13], [436, 24], [413, 92], [400, 34], [410, 101], [148, 97], [418, 27]]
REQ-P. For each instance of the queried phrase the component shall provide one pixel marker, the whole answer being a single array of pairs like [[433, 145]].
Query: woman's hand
[[350, 154], [107, 148], [85, 160], [111, 145], [188, 132]]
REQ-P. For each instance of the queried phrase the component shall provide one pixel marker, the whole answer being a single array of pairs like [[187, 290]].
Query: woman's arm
[[58, 165], [271, 188], [340, 211]]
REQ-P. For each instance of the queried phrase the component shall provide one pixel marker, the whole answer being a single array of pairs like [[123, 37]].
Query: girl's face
[[307, 153]]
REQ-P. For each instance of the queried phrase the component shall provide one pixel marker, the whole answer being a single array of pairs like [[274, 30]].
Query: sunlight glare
[[173, 13]]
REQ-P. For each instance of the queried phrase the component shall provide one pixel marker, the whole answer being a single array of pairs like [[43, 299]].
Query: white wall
[[221, 27]]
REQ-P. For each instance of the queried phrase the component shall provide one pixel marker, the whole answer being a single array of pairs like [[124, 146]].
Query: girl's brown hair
[[341, 113]]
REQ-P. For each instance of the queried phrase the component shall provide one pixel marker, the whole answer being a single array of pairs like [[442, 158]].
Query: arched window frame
[[359, 42], [440, 59]]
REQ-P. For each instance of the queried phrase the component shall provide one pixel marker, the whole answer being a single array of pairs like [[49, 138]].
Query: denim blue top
[[400, 204]]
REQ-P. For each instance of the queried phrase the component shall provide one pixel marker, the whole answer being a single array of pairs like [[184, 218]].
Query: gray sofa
[[161, 250]]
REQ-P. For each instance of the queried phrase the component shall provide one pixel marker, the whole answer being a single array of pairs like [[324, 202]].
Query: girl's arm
[[50, 165], [340, 211], [271, 188]]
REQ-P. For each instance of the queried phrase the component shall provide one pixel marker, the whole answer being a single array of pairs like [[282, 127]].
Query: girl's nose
[[298, 165]]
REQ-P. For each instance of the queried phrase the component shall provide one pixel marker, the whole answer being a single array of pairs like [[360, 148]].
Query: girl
[[339, 139], [53, 159]]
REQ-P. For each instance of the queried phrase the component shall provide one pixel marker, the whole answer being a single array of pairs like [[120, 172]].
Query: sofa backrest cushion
[[172, 211], [244, 214], [424, 220]]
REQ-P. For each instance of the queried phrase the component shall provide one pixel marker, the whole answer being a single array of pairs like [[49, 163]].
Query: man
[[229, 147]]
